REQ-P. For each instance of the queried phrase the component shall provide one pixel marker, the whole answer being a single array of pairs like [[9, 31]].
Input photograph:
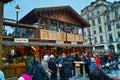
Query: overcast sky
[[27, 5]]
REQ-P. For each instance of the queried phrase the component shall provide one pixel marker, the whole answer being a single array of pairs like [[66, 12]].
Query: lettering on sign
[[59, 42], [20, 40], [73, 42]]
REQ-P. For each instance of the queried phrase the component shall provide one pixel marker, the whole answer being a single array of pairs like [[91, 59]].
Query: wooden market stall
[[53, 30]]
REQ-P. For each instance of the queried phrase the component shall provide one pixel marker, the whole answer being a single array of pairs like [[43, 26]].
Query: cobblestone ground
[[115, 73]]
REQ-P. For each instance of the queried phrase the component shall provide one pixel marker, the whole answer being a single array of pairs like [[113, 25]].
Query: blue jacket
[[59, 60], [93, 64]]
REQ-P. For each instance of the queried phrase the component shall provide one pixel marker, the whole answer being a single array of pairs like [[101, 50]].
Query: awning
[[100, 51], [12, 43]]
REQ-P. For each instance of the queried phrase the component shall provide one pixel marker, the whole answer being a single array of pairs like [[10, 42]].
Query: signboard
[[59, 42], [21, 40], [73, 42]]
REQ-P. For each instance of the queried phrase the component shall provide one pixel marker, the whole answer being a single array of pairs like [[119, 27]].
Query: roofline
[[57, 7]]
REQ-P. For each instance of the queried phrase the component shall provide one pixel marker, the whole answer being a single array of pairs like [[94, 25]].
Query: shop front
[[14, 54], [54, 30]]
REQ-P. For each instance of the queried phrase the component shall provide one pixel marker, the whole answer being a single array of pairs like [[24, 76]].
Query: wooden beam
[[1, 26]]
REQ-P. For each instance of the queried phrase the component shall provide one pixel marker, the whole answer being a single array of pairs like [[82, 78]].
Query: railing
[[53, 35]]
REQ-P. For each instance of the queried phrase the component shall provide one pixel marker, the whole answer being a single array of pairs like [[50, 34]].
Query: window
[[109, 27], [69, 28], [53, 26], [95, 40], [98, 12], [118, 34], [113, 6], [93, 22], [100, 29], [116, 13], [80, 31], [89, 34], [99, 20], [87, 16], [117, 4], [108, 8], [92, 14], [74, 29], [118, 25], [108, 17], [101, 38], [61, 27], [84, 33], [110, 38], [94, 31]]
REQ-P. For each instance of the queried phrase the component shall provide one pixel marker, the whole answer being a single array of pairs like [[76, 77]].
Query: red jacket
[[98, 61]]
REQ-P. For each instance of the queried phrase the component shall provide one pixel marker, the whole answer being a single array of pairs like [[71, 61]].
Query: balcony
[[52, 35], [60, 36], [74, 37]]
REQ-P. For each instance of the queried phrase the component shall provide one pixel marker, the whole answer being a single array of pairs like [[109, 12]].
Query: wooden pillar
[[39, 22], [65, 29], [49, 23], [1, 25]]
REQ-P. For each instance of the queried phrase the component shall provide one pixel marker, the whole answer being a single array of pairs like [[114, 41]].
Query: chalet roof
[[32, 16]]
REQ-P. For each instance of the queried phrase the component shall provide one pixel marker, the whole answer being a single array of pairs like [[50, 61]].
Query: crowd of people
[[63, 65], [48, 68]]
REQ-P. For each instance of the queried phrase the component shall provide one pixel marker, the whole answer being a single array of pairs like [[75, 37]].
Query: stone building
[[104, 32]]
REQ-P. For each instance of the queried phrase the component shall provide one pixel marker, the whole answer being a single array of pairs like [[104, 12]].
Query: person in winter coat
[[52, 66], [66, 70], [97, 60], [96, 72], [71, 59], [81, 57], [38, 72], [44, 63], [29, 61]]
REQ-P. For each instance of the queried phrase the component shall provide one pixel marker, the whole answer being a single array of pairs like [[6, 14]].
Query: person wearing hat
[[44, 63], [24, 77], [52, 66]]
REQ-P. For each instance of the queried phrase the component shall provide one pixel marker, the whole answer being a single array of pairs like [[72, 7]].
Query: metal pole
[[16, 31], [17, 8]]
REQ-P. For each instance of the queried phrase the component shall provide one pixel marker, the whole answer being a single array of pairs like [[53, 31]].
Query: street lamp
[[17, 8]]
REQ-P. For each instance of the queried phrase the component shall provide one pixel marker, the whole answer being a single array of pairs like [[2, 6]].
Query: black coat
[[39, 72], [52, 66], [66, 69]]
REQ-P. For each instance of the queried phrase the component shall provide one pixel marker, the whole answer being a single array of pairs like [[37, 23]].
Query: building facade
[[104, 32]]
